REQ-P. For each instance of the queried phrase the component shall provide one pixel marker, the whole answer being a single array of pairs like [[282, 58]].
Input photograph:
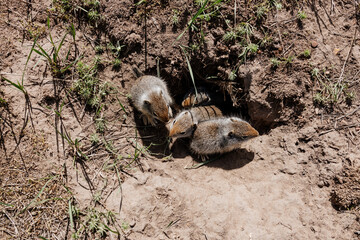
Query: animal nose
[[168, 125], [166, 119], [171, 133]]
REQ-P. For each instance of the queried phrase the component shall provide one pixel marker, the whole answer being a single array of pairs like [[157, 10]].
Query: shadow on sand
[[153, 138], [232, 160]]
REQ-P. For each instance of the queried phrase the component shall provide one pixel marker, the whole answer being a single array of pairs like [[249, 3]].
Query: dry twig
[[347, 57]]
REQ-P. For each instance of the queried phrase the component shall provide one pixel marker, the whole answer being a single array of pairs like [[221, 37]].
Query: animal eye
[[230, 134], [174, 121], [154, 113], [182, 133]]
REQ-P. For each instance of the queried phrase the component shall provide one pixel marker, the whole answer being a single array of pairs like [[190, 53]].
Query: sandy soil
[[298, 180]]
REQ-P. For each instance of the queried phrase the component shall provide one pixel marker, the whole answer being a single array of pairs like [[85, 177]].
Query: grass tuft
[[88, 86], [301, 15], [275, 62], [331, 91]]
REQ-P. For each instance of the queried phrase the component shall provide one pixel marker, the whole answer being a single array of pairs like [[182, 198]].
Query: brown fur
[[151, 97], [183, 124], [221, 135]]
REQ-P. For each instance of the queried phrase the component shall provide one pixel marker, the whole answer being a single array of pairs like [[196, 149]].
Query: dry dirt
[[298, 180]]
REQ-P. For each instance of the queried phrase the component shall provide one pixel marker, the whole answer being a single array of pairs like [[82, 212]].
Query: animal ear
[[146, 102], [236, 120]]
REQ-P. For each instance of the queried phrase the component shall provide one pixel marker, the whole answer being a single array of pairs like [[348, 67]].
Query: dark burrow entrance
[[155, 139]]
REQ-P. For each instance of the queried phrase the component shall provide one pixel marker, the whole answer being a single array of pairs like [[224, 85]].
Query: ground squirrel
[[220, 135], [151, 97], [184, 123], [191, 99]]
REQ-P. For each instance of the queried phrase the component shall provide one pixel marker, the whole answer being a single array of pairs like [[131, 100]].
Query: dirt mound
[[346, 191]]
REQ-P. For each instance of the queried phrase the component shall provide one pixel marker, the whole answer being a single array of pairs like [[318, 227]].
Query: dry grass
[[32, 205]]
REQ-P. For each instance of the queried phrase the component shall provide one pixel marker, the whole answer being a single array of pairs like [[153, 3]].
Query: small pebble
[[132, 223], [314, 44], [321, 184]]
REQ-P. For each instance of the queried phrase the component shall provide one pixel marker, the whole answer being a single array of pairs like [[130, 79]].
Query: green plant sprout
[[175, 17], [229, 36], [58, 66], [275, 62], [306, 53], [331, 92], [116, 63], [301, 15]]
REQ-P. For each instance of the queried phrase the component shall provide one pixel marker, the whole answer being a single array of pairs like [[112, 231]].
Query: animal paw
[[204, 158], [148, 120]]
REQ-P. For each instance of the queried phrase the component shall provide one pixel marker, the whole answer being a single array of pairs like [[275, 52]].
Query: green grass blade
[[6, 204], [37, 63], [200, 11], [44, 53], [54, 47], [109, 229], [190, 70], [213, 4], [48, 22], [82, 9], [60, 45], [71, 64], [68, 54], [51, 40], [67, 189], [48, 25], [201, 164], [43, 238], [180, 36], [72, 31], [40, 53], [18, 86], [192, 20], [27, 60], [140, 2], [122, 106], [71, 215]]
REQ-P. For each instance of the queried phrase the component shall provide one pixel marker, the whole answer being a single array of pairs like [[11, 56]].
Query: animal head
[[157, 106], [186, 102], [191, 99], [182, 125], [239, 130]]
